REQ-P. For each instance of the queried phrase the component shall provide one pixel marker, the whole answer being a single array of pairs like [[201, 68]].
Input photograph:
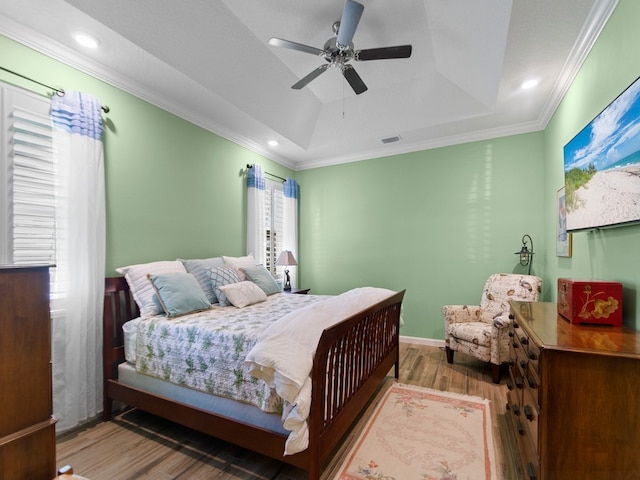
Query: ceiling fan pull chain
[[343, 99]]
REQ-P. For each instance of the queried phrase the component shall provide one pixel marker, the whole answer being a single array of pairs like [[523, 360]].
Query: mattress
[[219, 405], [206, 351]]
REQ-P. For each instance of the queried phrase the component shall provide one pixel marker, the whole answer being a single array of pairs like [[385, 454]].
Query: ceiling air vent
[[391, 139]]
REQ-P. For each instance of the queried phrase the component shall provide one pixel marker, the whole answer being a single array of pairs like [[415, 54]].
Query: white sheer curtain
[[256, 240], [78, 286], [290, 192]]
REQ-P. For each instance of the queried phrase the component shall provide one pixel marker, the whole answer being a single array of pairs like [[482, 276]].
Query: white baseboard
[[432, 342]]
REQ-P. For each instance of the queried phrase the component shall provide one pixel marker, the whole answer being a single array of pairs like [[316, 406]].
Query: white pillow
[[242, 294], [239, 262], [130, 330], [140, 285]]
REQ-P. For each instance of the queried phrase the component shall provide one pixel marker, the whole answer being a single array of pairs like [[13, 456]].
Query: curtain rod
[[58, 91], [271, 174]]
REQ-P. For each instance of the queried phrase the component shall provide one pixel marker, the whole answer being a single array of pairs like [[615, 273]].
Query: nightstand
[[300, 291]]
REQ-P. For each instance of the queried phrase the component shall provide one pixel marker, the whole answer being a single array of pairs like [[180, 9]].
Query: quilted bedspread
[[206, 351]]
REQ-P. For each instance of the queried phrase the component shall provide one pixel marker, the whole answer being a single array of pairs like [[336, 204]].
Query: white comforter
[[283, 355]]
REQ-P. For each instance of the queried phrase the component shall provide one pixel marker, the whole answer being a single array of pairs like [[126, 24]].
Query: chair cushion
[[478, 333]]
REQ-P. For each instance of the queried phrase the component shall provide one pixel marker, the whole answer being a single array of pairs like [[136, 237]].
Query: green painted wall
[[611, 254], [435, 222]]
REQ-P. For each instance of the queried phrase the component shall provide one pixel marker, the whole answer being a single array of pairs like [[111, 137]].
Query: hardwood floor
[[137, 445]]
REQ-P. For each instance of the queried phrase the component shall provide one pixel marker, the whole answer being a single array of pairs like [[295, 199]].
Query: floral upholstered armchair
[[483, 331]]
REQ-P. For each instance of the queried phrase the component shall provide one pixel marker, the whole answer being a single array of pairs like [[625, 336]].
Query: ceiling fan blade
[[303, 82], [354, 79], [279, 42], [401, 51], [349, 22]]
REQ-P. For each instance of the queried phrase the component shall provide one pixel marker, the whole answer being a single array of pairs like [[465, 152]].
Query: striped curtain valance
[[78, 113], [255, 178], [290, 188]]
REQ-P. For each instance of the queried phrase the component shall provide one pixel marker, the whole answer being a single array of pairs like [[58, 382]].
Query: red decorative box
[[590, 301]]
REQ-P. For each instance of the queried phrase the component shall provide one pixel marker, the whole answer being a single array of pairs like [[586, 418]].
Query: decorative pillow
[[200, 268], [179, 294], [140, 285], [222, 276], [240, 262], [242, 294], [262, 278]]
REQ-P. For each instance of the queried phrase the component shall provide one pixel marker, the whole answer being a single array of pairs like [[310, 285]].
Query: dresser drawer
[[532, 384], [530, 413], [528, 455], [534, 357]]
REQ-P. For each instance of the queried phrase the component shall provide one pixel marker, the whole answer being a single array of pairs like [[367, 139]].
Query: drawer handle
[[515, 345], [510, 333], [524, 340], [510, 362], [515, 324], [511, 317], [509, 385], [520, 428], [518, 382], [528, 412], [531, 382], [531, 471], [532, 356], [523, 364], [515, 408]]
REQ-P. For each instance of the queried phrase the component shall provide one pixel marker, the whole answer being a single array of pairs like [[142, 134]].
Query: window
[[274, 225]]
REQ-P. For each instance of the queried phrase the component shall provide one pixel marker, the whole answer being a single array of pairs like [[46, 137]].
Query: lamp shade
[[286, 258]]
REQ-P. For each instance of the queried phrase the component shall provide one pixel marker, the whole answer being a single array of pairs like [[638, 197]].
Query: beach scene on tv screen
[[602, 167]]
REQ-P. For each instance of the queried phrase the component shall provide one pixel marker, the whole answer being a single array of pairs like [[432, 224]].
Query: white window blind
[[274, 225], [32, 183]]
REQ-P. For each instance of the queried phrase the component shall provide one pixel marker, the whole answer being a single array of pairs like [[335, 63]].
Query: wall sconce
[[286, 258], [526, 255]]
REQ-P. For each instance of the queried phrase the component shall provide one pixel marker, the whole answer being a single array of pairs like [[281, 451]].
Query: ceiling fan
[[338, 51]]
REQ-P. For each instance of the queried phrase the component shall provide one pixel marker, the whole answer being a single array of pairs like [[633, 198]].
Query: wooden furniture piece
[[573, 395], [367, 342], [27, 427]]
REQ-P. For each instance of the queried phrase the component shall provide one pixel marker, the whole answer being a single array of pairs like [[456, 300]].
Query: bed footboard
[[352, 359]]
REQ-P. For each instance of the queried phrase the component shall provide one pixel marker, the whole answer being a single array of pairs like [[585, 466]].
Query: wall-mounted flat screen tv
[[602, 167]]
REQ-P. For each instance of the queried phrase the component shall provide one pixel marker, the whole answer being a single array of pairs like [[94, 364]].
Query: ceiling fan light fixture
[[272, 143], [339, 50]]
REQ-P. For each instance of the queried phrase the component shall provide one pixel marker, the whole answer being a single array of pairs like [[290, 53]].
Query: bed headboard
[[119, 307]]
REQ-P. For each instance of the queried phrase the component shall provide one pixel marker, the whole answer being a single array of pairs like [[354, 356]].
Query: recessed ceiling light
[[273, 143], [86, 40], [530, 84]]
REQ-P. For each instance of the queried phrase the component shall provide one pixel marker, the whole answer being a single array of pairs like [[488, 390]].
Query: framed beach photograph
[[563, 239]]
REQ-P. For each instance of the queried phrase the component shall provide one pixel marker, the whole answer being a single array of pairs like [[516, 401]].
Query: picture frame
[[563, 238]]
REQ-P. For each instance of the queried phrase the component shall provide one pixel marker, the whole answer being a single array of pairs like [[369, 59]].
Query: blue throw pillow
[[261, 277], [179, 294], [200, 268], [222, 276]]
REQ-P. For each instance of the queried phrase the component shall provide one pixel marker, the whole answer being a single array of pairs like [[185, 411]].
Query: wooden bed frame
[[352, 359]]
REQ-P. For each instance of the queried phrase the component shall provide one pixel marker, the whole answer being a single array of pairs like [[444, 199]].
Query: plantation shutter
[[274, 224], [27, 179], [33, 189]]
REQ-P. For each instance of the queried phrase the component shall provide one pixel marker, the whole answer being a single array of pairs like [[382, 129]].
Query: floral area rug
[[422, 434]]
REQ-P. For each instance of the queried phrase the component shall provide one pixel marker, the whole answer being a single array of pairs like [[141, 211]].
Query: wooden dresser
[[574, 396], [27, 427]]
